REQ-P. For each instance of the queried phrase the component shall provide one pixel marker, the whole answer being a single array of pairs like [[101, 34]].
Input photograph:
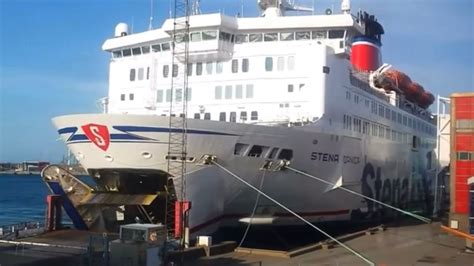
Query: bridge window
[[387, 113], [287, 36], [166, 71], [195, 36], [404, 120], [254, 115], [131, 96], [222, 116], [117, 54], [209, 35], [122, 97], [304, 35], [270, 37], [159, 96], [399, 118], [241, 38], [207, 116], [126, 52], [165, 46], [145, 49], [285, 154], [197, 116], [318, 35], [255, 37], [156, 48], [269, 64], [132, 74], [257, 151], [336, 34], [224, 36], [136, 51]]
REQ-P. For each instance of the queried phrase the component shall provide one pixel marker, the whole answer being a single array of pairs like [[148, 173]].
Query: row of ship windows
[[166, 95], [233, 92], [374, 129], [242, 149], [223, 116], [239, 38], [282, 64], [385, 112]]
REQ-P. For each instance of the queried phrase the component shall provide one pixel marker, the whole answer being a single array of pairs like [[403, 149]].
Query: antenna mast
[[176, 214]]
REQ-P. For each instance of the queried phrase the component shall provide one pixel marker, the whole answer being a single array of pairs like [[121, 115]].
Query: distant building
[[462, 159], [32, 166]]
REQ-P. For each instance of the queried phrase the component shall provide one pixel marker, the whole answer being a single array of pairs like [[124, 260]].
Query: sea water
[[22, 199]]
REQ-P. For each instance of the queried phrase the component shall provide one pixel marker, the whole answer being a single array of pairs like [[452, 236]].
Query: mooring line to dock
[[253, 210], [419, 217], [369, 262], [40, 244]]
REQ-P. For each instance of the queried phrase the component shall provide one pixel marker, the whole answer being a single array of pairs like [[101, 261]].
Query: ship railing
[[21, 229]]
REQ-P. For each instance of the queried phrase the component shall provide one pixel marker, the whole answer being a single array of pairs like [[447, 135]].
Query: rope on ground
[[254, 209], [419, 217], [294, 213]]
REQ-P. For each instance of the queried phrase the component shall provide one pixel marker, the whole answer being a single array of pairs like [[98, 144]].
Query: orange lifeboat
[[414, 92], [426, 99], [400, 79]]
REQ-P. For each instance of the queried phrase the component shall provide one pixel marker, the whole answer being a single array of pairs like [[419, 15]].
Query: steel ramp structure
[[88, 208]]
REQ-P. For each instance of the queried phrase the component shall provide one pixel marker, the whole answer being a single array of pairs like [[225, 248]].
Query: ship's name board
[[333, 157]]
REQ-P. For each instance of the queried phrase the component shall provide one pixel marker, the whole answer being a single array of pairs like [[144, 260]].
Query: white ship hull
[[389, 171]]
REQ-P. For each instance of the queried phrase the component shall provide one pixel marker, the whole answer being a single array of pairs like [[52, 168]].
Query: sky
[[51, 62]]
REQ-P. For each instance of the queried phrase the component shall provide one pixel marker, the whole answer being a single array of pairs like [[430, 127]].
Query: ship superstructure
[[308, 89]]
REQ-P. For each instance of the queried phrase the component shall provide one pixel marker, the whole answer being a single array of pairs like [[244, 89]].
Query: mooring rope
[[254, 209], [294, 213], [419, 217]]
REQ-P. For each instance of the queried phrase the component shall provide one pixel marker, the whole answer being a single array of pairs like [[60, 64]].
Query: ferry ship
[[306, 89]]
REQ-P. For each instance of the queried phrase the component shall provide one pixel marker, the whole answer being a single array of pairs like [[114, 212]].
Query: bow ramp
[[91, 209]]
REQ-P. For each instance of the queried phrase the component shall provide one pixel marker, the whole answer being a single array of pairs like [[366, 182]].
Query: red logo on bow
[[98, 134]]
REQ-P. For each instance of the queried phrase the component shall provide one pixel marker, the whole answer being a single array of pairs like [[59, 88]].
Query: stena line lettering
[[324, 157]]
